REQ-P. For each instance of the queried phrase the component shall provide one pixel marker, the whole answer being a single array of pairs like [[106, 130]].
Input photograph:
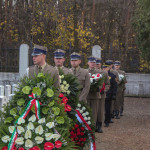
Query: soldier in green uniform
[[59, 59], [103, 90], [93, 97], [40, 65], [81, 74], [119, 103]]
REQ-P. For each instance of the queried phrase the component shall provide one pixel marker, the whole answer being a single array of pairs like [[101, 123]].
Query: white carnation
[[87, 113], [89, 122], [89, 118], [20, 129], [83, 108], [50, 125], [39, 130], [28, 134], [79, 105], [81, 111], [30, 126], [32, 118], [84, 114], [85, 118]]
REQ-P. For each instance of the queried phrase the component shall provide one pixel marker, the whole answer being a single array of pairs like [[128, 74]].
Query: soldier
[[111, 65], [103, 90], [40, 65], [110, 94], [119, 104], [93, 97], [81, 74], [59, 59]]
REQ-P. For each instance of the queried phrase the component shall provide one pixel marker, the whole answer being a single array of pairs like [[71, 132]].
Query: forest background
[[120, 27]]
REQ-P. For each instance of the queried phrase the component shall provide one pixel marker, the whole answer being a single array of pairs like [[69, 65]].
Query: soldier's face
[[106, 69], [59, 61], [91, 64], [39, 59], [98, 66], [75, 63], [117, 67]]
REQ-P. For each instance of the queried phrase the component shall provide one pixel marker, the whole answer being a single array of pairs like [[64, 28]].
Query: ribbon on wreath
[[87, 127], [33, 101]]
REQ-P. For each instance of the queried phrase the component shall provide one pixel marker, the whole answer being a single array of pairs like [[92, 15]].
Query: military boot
[[117, 114], [99, 129], [121, 112]]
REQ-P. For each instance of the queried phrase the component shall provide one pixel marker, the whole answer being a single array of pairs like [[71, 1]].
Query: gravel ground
[[131, 131]]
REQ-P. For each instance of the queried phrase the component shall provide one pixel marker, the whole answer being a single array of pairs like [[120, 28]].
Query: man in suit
[[103, 90], [119, 103], [59, 59], [110, 94], [81, 74], [40, 65]]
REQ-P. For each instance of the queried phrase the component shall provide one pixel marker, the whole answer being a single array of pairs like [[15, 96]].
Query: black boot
[[99, 129], [96, 126], [117, 114], [121, 111]]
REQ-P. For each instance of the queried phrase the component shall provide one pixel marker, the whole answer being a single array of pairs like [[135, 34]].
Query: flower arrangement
[[121, 78], [79, 135], [36, 117], [96, 81]]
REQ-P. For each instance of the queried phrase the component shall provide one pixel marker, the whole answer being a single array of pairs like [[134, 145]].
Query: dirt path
[[132, 131]]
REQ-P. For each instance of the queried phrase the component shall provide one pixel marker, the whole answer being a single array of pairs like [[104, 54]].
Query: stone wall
[[138, 84]]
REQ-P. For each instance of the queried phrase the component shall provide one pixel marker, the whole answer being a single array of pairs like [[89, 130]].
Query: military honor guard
[[103, 90], [81, 74], [119, 103], [40, 65], [93, 97], [110, 94], [59, 59]]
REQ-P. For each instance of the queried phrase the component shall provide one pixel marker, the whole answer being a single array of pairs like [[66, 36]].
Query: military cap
[[59, 53], [91, 59], [109, 62], [117, 62], [105, 65], [38, 50], [75, 56], [98, 61]]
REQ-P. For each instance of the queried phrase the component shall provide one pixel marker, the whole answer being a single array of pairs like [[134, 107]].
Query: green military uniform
[[82, 76], [101, 107], [42, 66], [84, 81], [119, 103], [47, 69], [65, 70], [93, 98], [101, 104]]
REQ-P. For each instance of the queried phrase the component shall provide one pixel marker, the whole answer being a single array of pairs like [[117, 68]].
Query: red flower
[[4, 148], [76, 139], [14, 148], [21, 148], [78, 131], [74, 135], [84, 139], [65, 100], [92, 76], [35, 148], [71, 132], [48, 146], [58, 144], [67, 107], [31, 149], [98, 75], [78, 143], [82, 128], [61, 95], [81, 139], [82, 133], [76, 126], [81, 144]]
